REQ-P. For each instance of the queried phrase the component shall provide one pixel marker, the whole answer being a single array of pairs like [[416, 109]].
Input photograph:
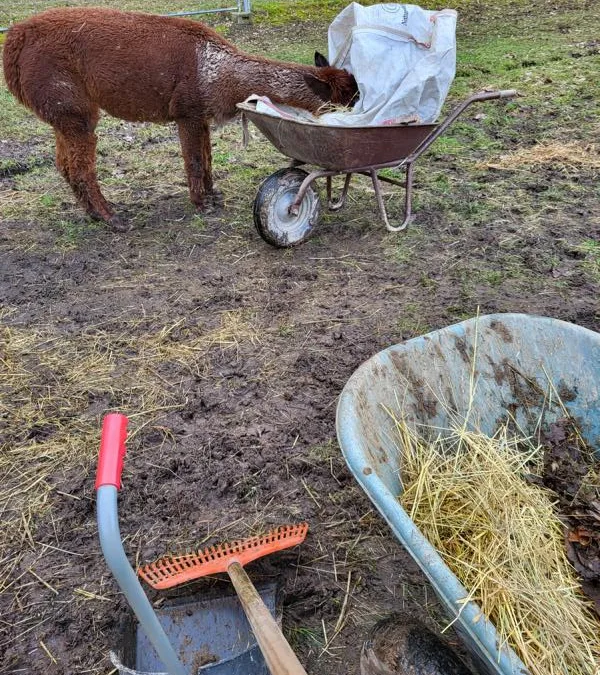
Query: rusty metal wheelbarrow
[[287, 209]]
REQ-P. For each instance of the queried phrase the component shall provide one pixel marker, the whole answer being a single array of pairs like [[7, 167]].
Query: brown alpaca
[[67, 64]]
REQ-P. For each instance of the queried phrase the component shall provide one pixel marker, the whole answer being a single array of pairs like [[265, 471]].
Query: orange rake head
[[172, 571]]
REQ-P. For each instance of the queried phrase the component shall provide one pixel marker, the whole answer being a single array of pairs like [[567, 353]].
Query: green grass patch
[[17, 123], [73, 233], [411, 321], [591, 248], [276, 12]]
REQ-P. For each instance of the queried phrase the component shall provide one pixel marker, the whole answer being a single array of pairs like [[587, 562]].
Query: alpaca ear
[[321, 89], [321, 61]]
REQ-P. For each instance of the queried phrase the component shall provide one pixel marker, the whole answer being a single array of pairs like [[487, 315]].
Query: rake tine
[[171, 571]]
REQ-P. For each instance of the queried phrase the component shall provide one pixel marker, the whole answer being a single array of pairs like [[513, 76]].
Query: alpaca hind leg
[[62, 156], [75, 160], [62, 102], [81, 175]]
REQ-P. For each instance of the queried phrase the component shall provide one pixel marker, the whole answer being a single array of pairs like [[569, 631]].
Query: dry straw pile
[[502, 538], [569, 157]]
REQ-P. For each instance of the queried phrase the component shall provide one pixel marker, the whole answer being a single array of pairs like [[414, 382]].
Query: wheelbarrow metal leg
[[294, 209], [337, 205], [407, 200]]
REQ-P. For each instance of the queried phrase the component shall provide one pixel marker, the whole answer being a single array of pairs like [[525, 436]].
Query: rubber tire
[[274, 196]]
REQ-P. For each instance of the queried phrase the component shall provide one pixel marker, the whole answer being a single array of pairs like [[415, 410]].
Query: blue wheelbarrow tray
[[514, 360]]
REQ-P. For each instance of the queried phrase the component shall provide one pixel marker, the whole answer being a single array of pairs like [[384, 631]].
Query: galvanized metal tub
[[518, 357]]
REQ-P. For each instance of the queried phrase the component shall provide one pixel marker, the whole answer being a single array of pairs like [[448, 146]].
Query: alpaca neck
[[229, 76], [281, 83]]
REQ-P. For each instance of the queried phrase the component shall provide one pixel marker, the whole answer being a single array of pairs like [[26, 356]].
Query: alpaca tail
[[13, 46]]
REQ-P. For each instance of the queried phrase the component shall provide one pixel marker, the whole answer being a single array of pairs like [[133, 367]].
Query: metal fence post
[[244, 13]]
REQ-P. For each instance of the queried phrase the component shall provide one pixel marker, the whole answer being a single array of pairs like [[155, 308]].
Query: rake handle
[[112, 450], [280, 658]]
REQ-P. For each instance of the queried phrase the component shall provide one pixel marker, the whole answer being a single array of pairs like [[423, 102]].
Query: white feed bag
[[403, 58]]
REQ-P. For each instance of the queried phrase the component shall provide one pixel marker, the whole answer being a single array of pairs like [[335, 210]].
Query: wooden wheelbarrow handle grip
[[280, 658]]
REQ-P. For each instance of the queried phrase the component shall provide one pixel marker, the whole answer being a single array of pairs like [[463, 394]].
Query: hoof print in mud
[[403, 645]]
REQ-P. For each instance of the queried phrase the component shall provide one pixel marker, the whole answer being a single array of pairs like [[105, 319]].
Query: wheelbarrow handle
[[489, 95], [112, 450], [457, 112]]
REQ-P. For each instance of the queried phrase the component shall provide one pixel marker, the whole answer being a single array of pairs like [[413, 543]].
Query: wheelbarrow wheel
[[275, 224]]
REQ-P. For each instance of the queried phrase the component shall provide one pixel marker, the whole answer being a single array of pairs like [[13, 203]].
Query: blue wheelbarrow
[[515, 360]]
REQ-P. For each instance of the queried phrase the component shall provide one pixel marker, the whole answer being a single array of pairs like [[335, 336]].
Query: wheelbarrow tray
[[337, 148], [518, 358]]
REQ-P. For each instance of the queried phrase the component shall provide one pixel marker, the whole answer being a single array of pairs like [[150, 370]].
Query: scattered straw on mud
[[565, 156], [54, 389], [501, 536]]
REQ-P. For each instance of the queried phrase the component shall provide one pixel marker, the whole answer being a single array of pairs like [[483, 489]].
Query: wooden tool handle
[[278, 654]]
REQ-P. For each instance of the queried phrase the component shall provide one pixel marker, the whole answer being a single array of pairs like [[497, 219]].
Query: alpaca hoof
[[217, 199], [211, 204], [118, 224], [113, 221]]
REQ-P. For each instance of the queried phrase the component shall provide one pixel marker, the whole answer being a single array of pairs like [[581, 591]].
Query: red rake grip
[[112, 450]]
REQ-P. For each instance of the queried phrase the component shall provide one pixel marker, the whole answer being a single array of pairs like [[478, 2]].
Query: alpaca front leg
[[194, 136]]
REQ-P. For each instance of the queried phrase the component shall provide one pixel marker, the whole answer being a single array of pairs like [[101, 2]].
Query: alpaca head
[[332, 85]]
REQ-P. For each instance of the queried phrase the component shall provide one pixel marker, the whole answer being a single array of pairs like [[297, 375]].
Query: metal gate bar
[[243, 7], [203, 11]]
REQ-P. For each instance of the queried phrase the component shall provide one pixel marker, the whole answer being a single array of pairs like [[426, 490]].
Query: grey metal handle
[[112, 548], [110, 540], [439, 130], [108, 481]]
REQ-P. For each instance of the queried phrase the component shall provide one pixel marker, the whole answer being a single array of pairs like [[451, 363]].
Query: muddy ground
[[254, 441], [229, 355]]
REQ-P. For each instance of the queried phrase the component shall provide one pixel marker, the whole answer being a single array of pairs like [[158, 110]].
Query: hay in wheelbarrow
[[502, 536], [490, 367]]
